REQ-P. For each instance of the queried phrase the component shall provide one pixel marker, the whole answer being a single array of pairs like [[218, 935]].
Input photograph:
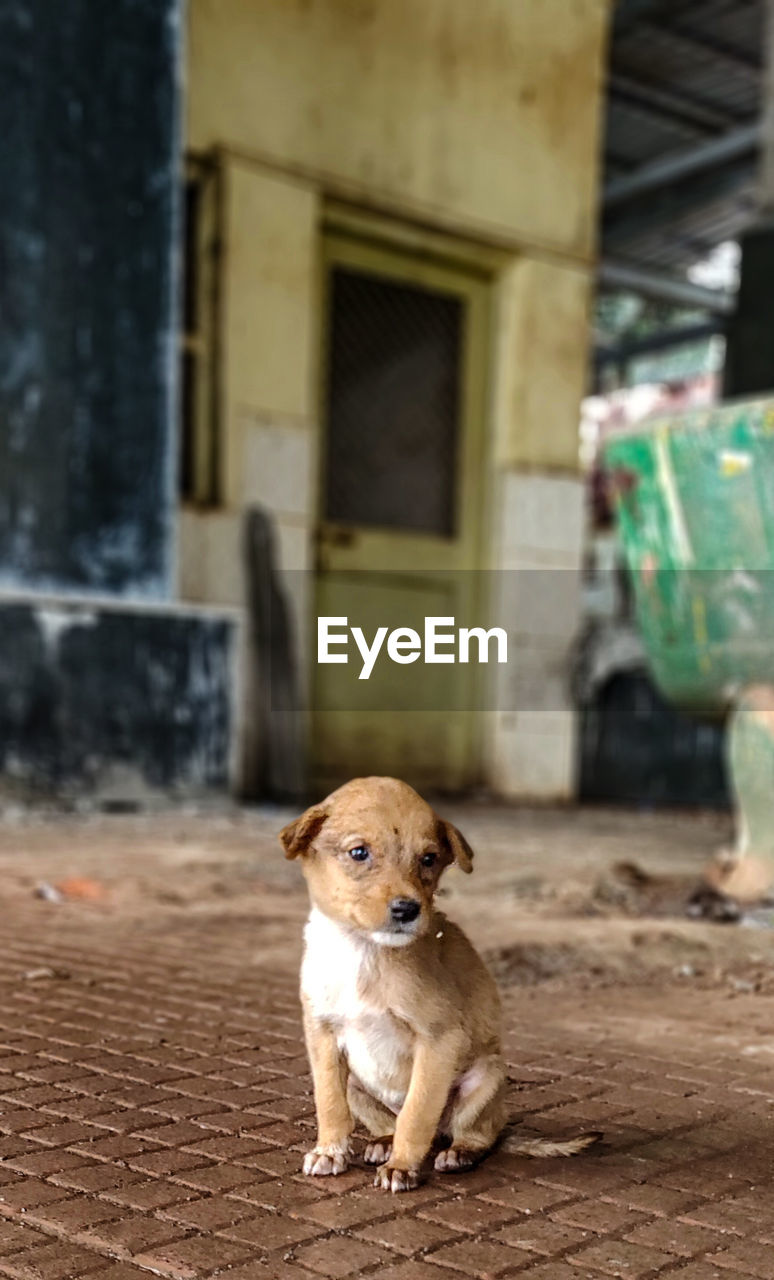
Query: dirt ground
[[155, 1103]]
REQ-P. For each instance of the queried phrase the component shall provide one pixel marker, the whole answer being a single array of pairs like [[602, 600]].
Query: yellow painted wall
[[269, 321], [481, 114], [464, 126], [541, 361]]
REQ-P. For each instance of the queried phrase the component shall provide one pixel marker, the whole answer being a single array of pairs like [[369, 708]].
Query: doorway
[[404, 410]]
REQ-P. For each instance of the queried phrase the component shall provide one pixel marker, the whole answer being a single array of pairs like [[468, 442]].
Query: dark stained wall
[[89, 159], [86, 692]]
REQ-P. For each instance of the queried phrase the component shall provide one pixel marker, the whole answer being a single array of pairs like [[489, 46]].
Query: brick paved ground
[[155, 1103]]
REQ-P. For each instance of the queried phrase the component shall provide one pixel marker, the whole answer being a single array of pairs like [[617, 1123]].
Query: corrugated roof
[[681, 74]]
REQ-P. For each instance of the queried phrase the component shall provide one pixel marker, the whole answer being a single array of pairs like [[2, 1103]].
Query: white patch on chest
[[333, 975]]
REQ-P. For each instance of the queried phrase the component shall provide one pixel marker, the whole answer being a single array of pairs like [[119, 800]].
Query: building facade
[[390, 257]]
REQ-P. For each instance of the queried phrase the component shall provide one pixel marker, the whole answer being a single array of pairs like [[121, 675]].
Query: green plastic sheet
[[694, 497]]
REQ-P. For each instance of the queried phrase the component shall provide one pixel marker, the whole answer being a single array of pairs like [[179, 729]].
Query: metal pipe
[[664, 288], [662, 340], [671, 104], [682, 164]]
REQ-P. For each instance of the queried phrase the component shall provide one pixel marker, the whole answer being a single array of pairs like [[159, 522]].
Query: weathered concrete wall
[[269, 372], [114, 703], [481, 114], [88, 329], [104, 692], [475, 124], [537, 520], [269, 319], [541, 361], [537, 539]]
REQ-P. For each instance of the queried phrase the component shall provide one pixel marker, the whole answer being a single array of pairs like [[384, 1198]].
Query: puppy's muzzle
[[404, 910]]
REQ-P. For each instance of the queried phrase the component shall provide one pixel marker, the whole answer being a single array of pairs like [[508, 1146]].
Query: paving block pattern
[[155, 1106]]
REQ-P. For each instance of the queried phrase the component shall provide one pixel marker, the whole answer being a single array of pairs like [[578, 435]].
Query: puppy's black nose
[[404, 910]]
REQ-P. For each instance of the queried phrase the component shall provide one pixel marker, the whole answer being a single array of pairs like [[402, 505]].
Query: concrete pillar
[[536, 529], [88, 327], [106, 688], [749, 368]]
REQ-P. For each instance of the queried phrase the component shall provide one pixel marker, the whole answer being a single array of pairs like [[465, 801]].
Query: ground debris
[[77, 888], [45, 971], [626, 887], [48, 892], [83, 888], [759, 918], [528, 963]]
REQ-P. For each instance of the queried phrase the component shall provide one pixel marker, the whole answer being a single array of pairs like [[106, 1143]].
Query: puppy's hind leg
[[377, 1119], [476, 1116]]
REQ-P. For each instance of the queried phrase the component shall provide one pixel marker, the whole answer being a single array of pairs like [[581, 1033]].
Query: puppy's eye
[[359, 853], [428, 859]]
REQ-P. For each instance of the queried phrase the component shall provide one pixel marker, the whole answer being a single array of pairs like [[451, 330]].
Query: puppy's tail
[[537, 1147]]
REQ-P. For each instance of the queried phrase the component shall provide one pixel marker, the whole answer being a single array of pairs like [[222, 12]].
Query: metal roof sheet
[[681, 73]]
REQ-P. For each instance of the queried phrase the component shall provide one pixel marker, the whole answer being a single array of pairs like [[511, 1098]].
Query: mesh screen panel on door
[[393, 393]]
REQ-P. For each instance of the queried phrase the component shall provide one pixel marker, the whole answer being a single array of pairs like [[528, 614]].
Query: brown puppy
[[401, 1016]]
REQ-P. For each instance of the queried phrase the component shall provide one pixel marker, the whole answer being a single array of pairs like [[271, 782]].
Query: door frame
[[467, 263]]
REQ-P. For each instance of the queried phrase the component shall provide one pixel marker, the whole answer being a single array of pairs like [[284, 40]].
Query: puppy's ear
[[458, 847], [297, 836]]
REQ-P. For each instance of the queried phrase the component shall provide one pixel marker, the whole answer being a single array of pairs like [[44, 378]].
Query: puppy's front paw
[[379, 1151], [457, 1159], [327, 1159], [391, 1179]]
